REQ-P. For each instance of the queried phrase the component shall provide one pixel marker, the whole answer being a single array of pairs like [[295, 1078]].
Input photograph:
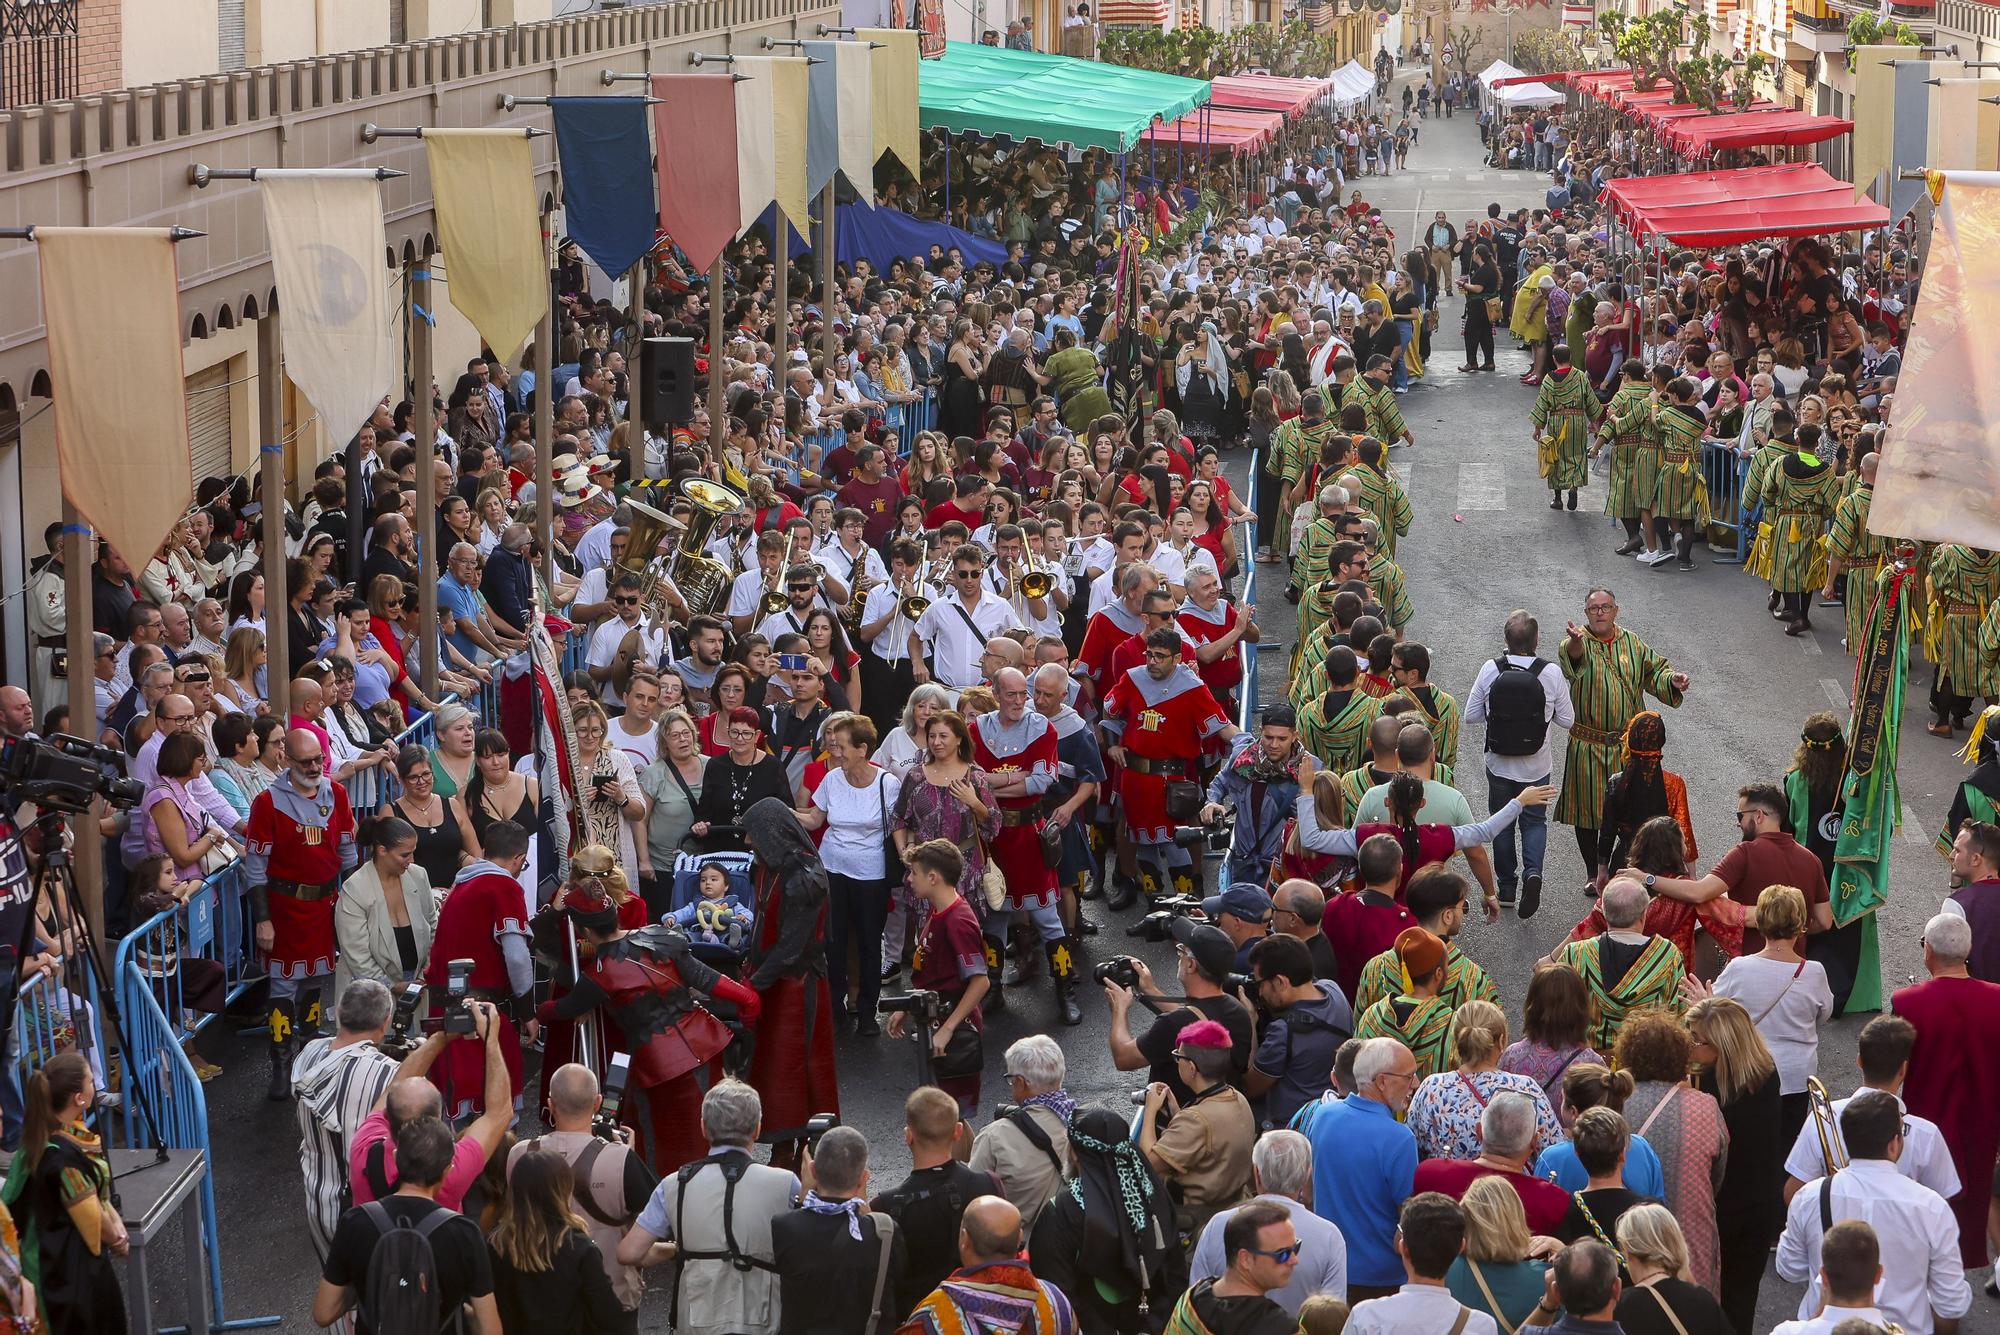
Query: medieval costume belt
[[1595, 736], [303, 892], [1013, 816], [1170, 768]]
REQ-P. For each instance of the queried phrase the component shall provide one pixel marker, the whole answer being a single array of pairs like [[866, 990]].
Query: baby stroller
[[710, 942]]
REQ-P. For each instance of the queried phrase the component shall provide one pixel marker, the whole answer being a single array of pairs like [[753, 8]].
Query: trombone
[[1832, 1151], [1036, 581], [774, 600]]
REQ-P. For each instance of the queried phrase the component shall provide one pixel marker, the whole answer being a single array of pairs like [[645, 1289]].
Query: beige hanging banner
[[490, 232], [756, 168], [789, 83], [1939, 475], [894, 80], [1874, 114], [327, 244], [111, 298]]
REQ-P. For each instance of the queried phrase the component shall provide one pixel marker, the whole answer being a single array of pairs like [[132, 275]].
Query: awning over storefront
[[991, 90], [1753, 129], [1723, 208], [1267, 92], [1232, 129]]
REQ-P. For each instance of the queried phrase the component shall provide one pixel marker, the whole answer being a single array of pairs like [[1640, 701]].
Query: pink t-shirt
[[468, 1157]]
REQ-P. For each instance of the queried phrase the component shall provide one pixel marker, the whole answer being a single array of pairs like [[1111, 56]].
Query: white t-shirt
[[643, 747], [854, 823], [604, 642], [1787, 1010]]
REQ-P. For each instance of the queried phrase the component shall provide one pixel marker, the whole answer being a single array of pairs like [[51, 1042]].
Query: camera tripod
[[57, 879]]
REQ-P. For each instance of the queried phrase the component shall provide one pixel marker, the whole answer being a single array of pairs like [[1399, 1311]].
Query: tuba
[[704, 581], [649, 528]]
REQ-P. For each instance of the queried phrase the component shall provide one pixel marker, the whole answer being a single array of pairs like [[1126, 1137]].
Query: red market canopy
[[1722, 208], [1267, 92], [1668, 115], [1752, 129], [1233, 129]]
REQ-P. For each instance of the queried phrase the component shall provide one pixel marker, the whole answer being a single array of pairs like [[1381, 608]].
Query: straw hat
[[576, 489]]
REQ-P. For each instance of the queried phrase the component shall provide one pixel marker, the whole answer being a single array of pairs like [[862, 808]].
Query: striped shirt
[[336, 1089]]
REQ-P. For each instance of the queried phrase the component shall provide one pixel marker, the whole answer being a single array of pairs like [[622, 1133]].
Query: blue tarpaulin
[[609, 207], [863, 231]]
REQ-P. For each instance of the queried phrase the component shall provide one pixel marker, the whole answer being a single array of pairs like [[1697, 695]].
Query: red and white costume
[[1027, 747], [485, 907], [1163, 724]]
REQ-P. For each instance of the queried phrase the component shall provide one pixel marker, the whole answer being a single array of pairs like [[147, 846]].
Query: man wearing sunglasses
[[623, 642], [1281, 1175], [1264, 1252], [958, 624], [300, 846]]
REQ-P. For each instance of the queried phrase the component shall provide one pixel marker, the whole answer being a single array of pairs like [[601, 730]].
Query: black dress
[[1640, 1313], [728, 790], [1750, 1205], [572, 1297], [438, 846], [960, 410]]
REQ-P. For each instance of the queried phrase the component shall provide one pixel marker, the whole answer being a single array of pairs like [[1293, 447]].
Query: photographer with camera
[[1243, 912], [1026, 1145], [928, 1204], [838, 1262], [611, 1184], [410, 1097], [675, 1013], [338, 1081], [948, 978], [1203, 1153], [1259, 783], [1205, 960]]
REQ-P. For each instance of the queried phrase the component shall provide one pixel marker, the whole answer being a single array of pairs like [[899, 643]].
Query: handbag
[[1242, 382], [992, 881], [964, 1054], [1493, 311], [892, 857]]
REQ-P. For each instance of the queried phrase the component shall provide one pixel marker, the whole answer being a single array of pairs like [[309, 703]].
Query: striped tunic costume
[[1963, 586], [1798, 498], [1297, 448], [1423, 1025], [1440, 711], [1386, 578], [1315, 611], [1334, 727], [1464, 980], [1607, 688], [1565, 409], [336, 1089], [1627, 418], [1309, 564], [1680, 491], [1653, 981], [1387, 502], [1385, 415], [1860, 554]]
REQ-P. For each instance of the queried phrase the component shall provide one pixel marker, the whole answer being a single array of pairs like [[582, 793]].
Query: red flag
[[694, 125]]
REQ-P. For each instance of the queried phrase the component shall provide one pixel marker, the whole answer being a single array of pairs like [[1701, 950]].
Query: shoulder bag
[[892, 857], [1673, 1317], [1493, 1304]]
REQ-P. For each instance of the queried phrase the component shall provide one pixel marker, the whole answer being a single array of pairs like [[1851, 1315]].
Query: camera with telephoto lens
[[63, 773], [1120, 969], [604, 1125], [920, 1005], [1159, 924], [818, 1125], [405, 1020], [1215, 835], [458, 1019]]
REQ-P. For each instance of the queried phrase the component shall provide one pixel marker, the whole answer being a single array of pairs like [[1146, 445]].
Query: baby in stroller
[[718, 919]]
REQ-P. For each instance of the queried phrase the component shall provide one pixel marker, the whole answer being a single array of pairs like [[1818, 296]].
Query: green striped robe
[[1309, 565], [1315, 614], [1607, 688], [1421, 1025], [1440, 711], [1961, 580], [1387, 502], [1464, 980], [1336, 730], [1798, 498], [1625, 423], [1641, 422], [1860, 554], [1385, 415], [1386, 578], [1653, 981], [1565, 408], [1681, 491]]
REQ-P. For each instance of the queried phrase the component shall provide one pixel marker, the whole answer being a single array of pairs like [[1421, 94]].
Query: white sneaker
[[1643, 556], [1660, 557]]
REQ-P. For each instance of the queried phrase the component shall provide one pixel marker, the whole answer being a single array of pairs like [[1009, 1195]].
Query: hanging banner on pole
[[1874, 114], [842, 135], [1939, 475], [123, 456], [1910, 137], [607, 178], [892, 78], [789, 82], [694, 123], [490, 232], [1955, 124], [327, 244], [823, 106], [756, 167]]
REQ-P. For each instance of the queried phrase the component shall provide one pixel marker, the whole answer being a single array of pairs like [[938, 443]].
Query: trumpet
[[1036, 581], [1831, 1148]]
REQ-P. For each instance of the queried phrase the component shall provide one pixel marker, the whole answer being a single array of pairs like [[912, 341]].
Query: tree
[[1546, 50], [1866, 29], [1461, 45]]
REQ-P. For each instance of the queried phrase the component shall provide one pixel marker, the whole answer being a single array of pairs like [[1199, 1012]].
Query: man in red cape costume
[[792, 1067], [485, 919]]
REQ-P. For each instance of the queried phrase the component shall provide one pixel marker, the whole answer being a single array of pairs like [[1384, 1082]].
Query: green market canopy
[[990, 90]]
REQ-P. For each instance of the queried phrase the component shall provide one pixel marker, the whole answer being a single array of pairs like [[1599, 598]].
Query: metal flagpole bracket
[[700, 58], [508, 101], [28, 233], [200, 174], [370, 132], [1923, 173]]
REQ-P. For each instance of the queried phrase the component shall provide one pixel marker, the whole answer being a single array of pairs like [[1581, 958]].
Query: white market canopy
[[1353, 83], [1527, 95]]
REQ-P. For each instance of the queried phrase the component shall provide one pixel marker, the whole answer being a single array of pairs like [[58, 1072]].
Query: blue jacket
[[1260, 824]]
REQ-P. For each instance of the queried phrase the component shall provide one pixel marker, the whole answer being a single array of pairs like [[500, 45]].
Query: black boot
[[996, 997], [280, 1088], [1124, 889], [1572, 498], [1062, 969], [309, 1011]]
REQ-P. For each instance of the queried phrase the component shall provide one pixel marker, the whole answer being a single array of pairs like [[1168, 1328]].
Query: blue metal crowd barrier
[[214, 925], [47, 1022], [1725, 471]]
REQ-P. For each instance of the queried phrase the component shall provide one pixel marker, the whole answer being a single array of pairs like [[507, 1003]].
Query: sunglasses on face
[[1283, 1255], [626, 602]]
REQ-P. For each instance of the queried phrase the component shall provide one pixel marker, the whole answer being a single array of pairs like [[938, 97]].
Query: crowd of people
[[887, 691]]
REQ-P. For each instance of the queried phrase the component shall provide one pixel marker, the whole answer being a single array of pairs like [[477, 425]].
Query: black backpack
[[1517, 710], [399, 1292]]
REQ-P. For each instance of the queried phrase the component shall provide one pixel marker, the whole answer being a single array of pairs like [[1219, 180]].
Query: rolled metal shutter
[[210, 439]]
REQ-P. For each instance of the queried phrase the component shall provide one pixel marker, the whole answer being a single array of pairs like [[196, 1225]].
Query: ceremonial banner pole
[[781, 301], [417, 273], [715, 402], [829, 340], [545, 413], [271, 479], [86, 844]]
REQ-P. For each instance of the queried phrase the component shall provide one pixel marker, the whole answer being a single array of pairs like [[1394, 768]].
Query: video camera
[[925, 1007], [1159, 924], [63, 773], [605, 1124], [458, 1019], [1215, 834], [405, 1021]]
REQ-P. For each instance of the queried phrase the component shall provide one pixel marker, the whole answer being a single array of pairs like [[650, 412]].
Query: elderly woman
[[177, 824], [1786, 992], [607, 786], [1107, 1238], [793, 1065], [672, 786], [904, 747], [1495, 1274], [1444, 1112], [852, 803], [1685, 1128], [386, 912], [237, 775], [452, 760], [736, 780]]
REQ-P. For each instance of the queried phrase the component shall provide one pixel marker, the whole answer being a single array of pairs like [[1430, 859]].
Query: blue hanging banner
[[609, 204], [823, 107]]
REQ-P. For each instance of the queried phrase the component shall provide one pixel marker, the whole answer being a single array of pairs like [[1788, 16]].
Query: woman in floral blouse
[[1444, 1113]]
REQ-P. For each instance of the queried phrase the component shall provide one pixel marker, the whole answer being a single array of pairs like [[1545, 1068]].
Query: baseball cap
[[1214, 953], [1244, 901]]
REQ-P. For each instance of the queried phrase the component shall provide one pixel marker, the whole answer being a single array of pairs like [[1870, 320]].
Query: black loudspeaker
[[666, 368]]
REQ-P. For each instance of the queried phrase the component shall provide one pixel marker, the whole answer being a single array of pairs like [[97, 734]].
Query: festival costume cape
[[1654, 980], [1608, 687], [1423, 1026]]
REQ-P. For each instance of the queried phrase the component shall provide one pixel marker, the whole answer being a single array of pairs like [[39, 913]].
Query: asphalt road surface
[[1483, 543]]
